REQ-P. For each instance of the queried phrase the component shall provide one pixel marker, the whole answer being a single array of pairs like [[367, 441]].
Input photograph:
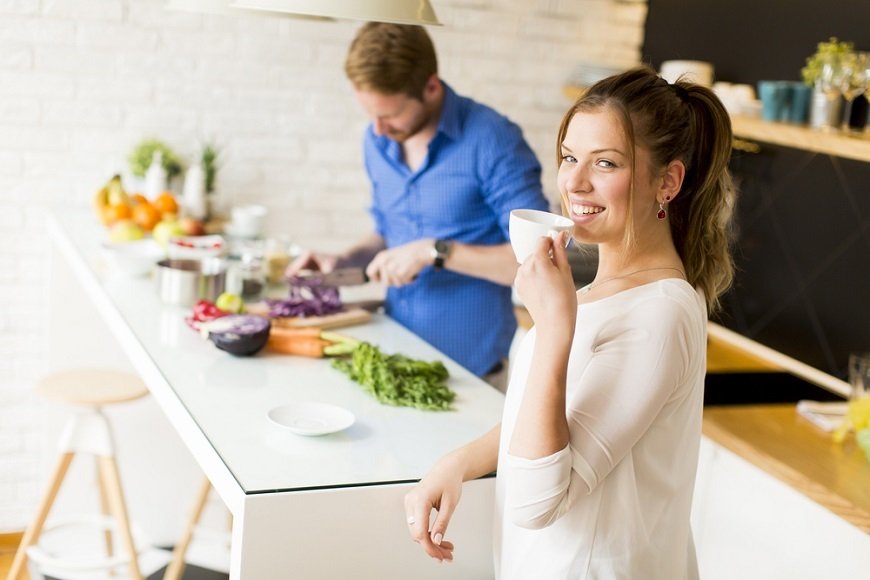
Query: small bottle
[[155, 177], [858, 114], [193, 197]]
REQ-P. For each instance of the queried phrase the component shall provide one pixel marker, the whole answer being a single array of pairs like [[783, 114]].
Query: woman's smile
[[584, 211]]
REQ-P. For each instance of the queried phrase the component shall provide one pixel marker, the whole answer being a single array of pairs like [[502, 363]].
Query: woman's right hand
[[439, 490], [546, 287]]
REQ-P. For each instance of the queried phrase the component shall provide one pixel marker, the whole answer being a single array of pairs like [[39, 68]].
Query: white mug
[[246, 221], [527, 226]]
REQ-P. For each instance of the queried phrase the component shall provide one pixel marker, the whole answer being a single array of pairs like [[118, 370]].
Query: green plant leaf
[[142, 154]]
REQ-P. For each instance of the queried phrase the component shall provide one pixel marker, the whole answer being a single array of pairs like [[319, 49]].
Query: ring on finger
[[411, 520]]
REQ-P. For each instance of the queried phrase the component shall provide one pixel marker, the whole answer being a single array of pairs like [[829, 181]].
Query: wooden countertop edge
[[820, 494]]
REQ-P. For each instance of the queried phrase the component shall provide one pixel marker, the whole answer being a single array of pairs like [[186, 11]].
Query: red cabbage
[[308, 297], [238, 334]]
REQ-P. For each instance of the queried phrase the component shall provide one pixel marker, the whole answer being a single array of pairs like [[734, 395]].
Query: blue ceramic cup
[[774, 97], [799, 105], [784, 101]]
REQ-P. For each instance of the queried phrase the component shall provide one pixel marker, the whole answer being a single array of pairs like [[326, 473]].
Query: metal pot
[[825, 113], [183, 282]]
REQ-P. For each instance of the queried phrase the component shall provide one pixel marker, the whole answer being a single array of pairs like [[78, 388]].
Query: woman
[[597, 450]]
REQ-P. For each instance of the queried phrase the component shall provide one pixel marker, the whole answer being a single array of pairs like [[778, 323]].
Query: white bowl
[[134, 259], [196, 247]]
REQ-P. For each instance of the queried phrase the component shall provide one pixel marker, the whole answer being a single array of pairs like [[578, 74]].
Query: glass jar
[[246, 275], [278, 255], [253, 277]]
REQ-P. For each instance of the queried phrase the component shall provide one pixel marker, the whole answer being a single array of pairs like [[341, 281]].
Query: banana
[[117, 195], [101, 199]]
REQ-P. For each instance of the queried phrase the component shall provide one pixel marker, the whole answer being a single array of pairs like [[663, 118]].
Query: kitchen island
[[303, 507]]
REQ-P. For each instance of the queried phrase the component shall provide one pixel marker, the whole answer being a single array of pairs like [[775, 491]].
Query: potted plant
[[822, 73], [142, 155], [209, 160]]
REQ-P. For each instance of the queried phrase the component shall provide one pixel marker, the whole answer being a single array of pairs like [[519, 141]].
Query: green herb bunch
[[398, 380], [824, 51], [209, 159], [142, 154]]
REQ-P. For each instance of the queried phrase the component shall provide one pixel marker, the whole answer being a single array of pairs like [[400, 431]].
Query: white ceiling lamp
[[223, 7], [396, 11]]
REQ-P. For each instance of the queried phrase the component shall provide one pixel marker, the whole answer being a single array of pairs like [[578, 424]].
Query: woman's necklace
[[594, 285]]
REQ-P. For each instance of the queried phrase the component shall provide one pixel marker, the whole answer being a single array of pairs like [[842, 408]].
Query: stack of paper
[[826, 416]]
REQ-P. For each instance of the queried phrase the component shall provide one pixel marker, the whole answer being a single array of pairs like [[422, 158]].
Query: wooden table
[[781, 442]]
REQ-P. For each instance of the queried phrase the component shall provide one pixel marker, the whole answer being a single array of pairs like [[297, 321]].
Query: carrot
[[298, 345], [288, 332], [310, 341]]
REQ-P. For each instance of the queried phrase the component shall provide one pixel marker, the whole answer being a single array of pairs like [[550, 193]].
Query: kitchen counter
[[784, 444], [296, 501]]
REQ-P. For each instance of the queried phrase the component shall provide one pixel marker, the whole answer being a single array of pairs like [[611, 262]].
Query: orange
[[113, 213], [138, 198], [146, 216], [165, 203]]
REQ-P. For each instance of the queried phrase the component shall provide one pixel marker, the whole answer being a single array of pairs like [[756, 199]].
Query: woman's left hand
[[546, 287]]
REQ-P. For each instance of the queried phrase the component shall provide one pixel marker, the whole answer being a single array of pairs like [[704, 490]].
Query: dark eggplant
[[238, 334]]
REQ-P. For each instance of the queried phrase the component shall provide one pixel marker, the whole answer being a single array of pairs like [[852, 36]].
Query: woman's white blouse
[[615, 503]]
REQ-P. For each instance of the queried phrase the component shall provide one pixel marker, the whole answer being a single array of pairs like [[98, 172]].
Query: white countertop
[[228, 397]]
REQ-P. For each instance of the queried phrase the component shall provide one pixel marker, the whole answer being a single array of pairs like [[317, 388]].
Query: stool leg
[[176, 566], [112, 481], [33, 531], [105, 509]]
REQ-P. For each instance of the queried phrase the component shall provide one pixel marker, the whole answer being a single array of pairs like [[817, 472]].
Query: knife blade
[[337, 277]]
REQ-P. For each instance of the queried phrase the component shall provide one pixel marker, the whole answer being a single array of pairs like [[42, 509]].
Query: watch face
[[441, 250], [442, 247]]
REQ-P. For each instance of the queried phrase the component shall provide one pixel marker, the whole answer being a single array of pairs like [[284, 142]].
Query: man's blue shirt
[[477, 169]]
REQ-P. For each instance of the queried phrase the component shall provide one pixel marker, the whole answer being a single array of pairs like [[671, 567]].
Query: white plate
[[311, 419]]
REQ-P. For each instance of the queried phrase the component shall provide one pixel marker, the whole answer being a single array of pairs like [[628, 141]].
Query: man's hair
[[391, 59]]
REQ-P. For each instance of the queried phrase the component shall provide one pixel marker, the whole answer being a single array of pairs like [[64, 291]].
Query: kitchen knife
[[338, 277]]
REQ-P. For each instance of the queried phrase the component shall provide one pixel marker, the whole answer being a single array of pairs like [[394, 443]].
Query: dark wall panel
[[803, 219], [751, 40]]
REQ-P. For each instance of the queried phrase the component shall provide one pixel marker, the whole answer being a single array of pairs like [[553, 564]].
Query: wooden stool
[[176, 566], [88, 431]]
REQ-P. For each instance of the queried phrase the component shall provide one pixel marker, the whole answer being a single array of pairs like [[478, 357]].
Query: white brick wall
[[81, 81]]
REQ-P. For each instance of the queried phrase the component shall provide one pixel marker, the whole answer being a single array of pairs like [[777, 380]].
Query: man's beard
[[402, 136]]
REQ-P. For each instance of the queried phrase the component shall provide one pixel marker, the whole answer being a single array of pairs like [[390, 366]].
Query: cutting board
[[348, 317]]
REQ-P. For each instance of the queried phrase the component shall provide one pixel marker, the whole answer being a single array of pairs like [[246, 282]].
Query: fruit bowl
[[135, 259], [196, 247]]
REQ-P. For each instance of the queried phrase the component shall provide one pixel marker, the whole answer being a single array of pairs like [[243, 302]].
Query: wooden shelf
[[800, 137], [795, 136]]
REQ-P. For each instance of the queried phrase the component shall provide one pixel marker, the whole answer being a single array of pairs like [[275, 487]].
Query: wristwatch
[[440, 252]]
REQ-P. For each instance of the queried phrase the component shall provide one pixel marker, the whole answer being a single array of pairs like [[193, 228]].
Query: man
[[445, 172]]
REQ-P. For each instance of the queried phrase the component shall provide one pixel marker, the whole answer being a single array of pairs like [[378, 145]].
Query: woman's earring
[[662, 213]]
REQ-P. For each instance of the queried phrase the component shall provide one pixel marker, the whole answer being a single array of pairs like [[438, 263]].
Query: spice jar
[[252, 276], [278, 255], [247, 275]]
